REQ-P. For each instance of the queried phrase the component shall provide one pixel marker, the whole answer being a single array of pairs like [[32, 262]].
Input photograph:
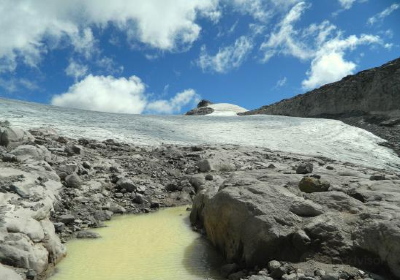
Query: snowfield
[[317, 137], [226, 109]]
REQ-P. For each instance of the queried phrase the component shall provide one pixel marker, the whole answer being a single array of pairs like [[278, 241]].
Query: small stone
[[209, 177], [119, 195], [204, 165], [59, 227], [319, 272], [30, 274], [86, 165], [126, 184], [377, 177], [305, 168], [272, 265], [271, 166], [138, 198], [330, 167], [66, 219], [73, 181], [9, 158]]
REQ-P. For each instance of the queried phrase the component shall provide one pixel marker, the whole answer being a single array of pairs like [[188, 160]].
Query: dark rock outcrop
[[373, 90]]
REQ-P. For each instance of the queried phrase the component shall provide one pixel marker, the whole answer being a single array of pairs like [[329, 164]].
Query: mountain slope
[[375, 90]]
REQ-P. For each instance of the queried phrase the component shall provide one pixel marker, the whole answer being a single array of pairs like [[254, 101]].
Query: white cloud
[[34, 27], [283, 41], [322, 44], [175, 104], [329, 64], [346, 4], [262, 10], [282, 82], [227, 58], [76, 70], [382, 15], [119, 95], [12, 85]]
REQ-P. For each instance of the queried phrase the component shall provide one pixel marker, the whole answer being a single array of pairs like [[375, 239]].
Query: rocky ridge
[[315, 217]]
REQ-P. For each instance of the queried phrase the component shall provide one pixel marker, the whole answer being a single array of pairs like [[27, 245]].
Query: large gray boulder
[[255, 221], [30, 152], [12, 137]]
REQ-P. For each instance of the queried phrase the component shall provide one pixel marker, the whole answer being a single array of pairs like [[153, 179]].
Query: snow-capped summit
[[206, 107]]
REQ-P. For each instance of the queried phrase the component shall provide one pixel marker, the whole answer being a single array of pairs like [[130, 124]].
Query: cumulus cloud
[[76, 70], [227, 58], [175, 104], [119, 95], [329, 64], [322, 44], [167, 25], [382, 15]]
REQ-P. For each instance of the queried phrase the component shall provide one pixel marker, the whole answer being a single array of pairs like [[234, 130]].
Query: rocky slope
[[372, 91], [248, 200]]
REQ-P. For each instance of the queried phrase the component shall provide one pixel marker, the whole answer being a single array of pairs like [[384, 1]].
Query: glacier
[[315, 137]]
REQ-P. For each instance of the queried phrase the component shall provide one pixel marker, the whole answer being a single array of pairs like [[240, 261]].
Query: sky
[[163, 56]]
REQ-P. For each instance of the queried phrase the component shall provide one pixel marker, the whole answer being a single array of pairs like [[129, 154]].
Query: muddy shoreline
[[77, 184]]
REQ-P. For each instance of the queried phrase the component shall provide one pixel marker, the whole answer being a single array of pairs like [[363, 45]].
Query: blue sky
[[162, 56]]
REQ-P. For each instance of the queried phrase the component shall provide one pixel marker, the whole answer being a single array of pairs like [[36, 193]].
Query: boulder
[[73, 181], [12, 137], [204, 165], [30, 152], [311, 184], [305, 168], [126, 184]]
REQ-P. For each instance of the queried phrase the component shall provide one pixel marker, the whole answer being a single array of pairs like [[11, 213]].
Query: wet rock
[[304, 168], [87, 235], [117, 209], [310, 185], [73, 181]]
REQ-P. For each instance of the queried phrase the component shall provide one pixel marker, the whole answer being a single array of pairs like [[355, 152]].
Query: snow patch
[[226, 109]]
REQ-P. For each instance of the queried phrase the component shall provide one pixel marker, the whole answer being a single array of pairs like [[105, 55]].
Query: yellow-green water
[[158, 246]]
